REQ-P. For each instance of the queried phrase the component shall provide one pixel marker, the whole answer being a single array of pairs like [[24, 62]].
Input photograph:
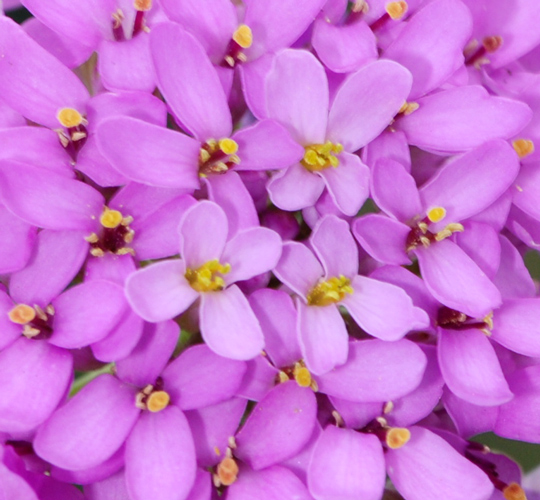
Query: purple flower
[[211, 264]]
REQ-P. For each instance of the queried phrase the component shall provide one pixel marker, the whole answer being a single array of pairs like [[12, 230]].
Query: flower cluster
[[268, 249]]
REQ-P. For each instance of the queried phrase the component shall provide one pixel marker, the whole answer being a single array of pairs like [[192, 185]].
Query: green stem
[[87, 377]]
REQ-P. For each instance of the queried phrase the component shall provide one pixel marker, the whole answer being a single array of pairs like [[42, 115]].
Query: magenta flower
[[329, 135], [332, 279], [210, 265]]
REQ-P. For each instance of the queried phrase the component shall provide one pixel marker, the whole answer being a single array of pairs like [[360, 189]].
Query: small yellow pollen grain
[[22, 314], [207, 277], [228, 146], [111, 218], [523, 147], [157, 401], [227, 471], [514, 492], [436, 214], [397, 437], [396, 10], [330, 291], [69, 117], [243, 36], [302, 376], [142, 5]]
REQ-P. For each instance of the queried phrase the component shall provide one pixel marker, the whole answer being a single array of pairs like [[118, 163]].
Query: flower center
[[421, 234], [241, 39], [330, 291], [299, 373], [139, 24], [75, 135], [36, 322], [450, 319], [394, 12], [207, 278], [114, 236], [218, 157], [476, 54], [153, 398], [317, 157], [396, 437]]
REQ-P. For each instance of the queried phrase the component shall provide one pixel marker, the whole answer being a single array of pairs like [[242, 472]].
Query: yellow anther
[[227, 471], [436, 214], [142, 5], [283, 377], [69, 117], [492, 43], [397, 437], [317, 157], [302, 375], [396, 10], [408, 107], [514, 492], [360, 6], [330, 291], [157, 401], [449, 230], [206, 278], [111, 218], [523, 147], [488, 320], [243, 36], [22, 314], [228, 146]]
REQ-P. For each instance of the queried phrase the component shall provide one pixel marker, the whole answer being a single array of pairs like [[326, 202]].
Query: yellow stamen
[[69, 117], [22, 314], [227, 471], [514, 492], [228, 146], [330, 291], [243, 36], [408, 107], [111, 218], [397, 437], [449, 230], [523, 147], [302, 375], [157, 401], [436, 214], [142, 5], [206, 278], [396, 10], [317, 157]]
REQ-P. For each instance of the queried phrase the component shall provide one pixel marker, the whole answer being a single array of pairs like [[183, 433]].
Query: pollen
[[157, 401], [514, 492], [330, 291], [22, 314], [436, 214], [227, 471], [243, 36], [207, 278], [111, 218], [302, 375], [397, 437], [523, 147], [228, 146], [396, 10], [142, 5], [69, 117], [317, 157]]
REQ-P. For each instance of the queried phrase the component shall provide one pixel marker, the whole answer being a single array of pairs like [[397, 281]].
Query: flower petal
[[229, 326]]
